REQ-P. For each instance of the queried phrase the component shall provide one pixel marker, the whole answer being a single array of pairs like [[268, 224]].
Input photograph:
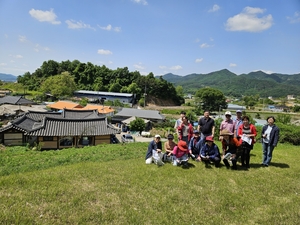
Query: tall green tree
[[137, 125], [210, 99], [59, 85]]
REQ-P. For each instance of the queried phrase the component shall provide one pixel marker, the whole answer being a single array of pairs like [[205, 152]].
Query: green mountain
[[8, 77], [276, 85]]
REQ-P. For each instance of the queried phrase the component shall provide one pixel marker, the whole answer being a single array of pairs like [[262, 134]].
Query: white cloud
[[72, 24], [44, 16], [205, 45], [162, 67], [177, 67], [143, 2], [38, 48], [265, 71], [22, 38], [104, 52], [199, 60], [16, 57], [295, 18], [109, 28], [215, 8], [249, 21], [138, 66], [3, 64], [232, 65]]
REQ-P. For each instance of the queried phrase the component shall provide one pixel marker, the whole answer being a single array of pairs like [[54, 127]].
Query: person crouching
[[180, 154], [230, 146], [210, 152]]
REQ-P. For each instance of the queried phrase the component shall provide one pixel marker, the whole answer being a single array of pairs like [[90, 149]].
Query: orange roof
[[64, 105], [100, 108]]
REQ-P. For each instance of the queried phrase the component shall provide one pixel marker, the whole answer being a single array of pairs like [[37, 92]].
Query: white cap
[[157, 136], [227, 113]]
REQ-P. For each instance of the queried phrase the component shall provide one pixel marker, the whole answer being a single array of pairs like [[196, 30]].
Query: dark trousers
[[245, 157]]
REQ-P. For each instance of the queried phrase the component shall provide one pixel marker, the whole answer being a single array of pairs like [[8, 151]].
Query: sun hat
[[157, 136], [170, 136], [226, 132], [239, 111], [209, 138], [228, 113], [182, 145]]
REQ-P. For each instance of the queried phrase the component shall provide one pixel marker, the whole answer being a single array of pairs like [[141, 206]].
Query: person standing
[[206, 126], [270, 135], [178, 122], [185, 130], [227, 124], [238, 121], [154, 151], [247, 134]]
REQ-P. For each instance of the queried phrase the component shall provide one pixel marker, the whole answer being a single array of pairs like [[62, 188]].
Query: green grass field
[[111, 184]]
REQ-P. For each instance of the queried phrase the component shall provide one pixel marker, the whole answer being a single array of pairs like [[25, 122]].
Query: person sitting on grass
[[210, 152], [230, 146], [195, 145], [180, 154], [154, 151], [169, 146]]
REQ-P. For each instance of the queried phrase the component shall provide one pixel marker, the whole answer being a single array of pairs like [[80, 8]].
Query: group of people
[[237, 139]]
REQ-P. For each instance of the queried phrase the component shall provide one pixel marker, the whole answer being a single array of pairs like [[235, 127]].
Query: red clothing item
[[178, 152], [190, 131], [252, 129]]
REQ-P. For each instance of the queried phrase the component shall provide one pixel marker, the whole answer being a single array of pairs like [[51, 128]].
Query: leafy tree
[[179, 91], [59, 85], [210, 99], [83, 102], [296, 108], [283, 118], [138, 125]]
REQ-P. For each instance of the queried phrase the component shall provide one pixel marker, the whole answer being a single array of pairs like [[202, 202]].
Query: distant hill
[[8, 77], [275, 85]]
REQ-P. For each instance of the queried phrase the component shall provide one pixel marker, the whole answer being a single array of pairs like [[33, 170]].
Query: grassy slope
[[111, 184]]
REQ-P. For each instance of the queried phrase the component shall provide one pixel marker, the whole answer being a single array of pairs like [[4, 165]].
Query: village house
[[57, 130]]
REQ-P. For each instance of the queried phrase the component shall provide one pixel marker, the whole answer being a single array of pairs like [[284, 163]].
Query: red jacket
[[190, 131], [252, 129]]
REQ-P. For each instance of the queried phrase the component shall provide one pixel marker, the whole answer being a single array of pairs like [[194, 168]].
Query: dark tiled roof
[[75, 123], [73, 127], [146, 114], [15, 100], [80, 114]]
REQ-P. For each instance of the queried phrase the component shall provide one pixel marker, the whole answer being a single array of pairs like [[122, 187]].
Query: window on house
[[66, 141], [85, 140], [47, 138]]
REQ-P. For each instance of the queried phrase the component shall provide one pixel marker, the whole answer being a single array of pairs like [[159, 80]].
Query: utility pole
[[145, 97]]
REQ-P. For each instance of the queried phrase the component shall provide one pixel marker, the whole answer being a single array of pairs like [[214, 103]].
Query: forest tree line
[[63, 78]]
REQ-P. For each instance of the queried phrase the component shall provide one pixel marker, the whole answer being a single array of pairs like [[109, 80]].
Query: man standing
[[178, 122], [227, 124], [206, 126], [238, 121]]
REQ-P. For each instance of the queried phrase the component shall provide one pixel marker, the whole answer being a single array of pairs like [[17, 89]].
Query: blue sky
[[159, 36]]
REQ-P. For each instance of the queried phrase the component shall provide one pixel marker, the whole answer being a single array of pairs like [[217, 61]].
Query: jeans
[[178, 161], [267, 153]]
